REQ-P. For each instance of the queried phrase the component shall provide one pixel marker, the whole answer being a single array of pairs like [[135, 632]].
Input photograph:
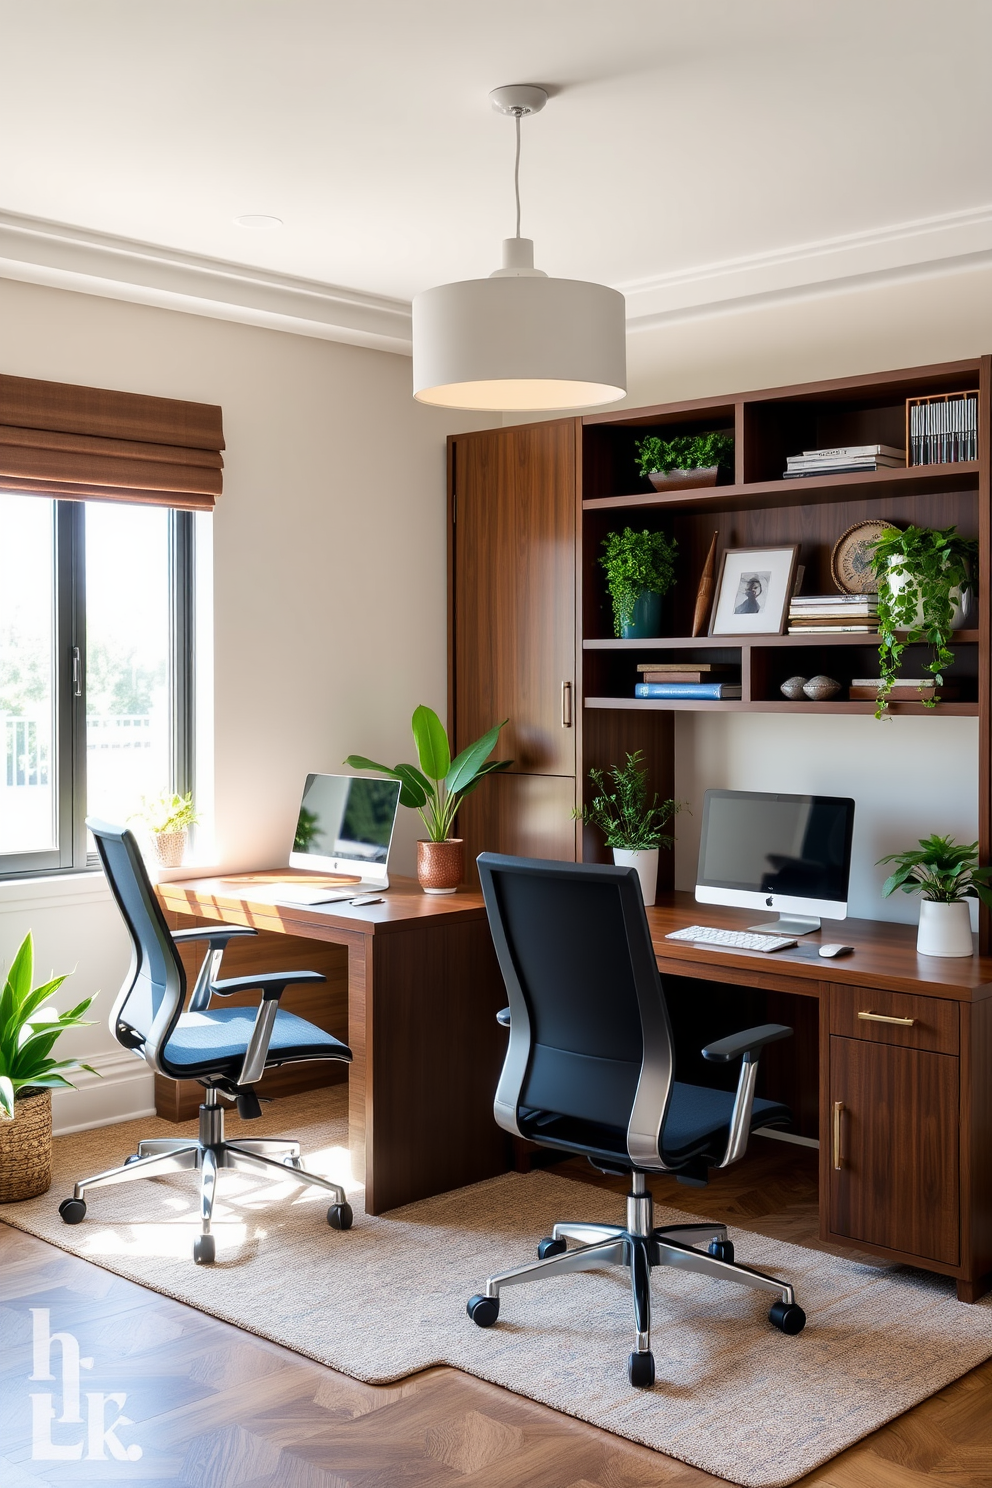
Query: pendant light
[[519, 341]]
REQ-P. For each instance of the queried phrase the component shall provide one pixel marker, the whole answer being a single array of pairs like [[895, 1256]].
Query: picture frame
[[753, 591]]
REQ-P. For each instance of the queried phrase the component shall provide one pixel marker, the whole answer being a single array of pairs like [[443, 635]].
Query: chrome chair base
[[639, 1246], [207, 1154]]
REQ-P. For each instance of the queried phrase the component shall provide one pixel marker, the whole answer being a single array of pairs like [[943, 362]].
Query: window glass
[[128, 729], [28, 800]]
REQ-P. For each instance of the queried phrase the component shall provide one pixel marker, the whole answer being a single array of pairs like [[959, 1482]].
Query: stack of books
[[844, 459], [943, 431], [712, 681], [905, 690], [833, 614]]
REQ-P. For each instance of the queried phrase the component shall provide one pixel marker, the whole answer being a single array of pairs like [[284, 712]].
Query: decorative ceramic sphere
[[818, 689], [793, 688]]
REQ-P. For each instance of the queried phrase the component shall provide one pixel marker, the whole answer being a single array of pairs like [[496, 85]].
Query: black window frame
[[69, 735]]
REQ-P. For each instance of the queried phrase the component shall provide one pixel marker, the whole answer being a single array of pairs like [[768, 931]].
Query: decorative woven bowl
[[793, 688], [26, 1149], [684, 480], [819, 689]]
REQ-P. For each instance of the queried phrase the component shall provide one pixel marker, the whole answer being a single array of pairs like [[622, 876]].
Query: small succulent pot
[[170, 847], [819, 689], [945, 929], [645, 622], [440, 865], [793, 688], [26, 1149], [646, 863], [684, 480]]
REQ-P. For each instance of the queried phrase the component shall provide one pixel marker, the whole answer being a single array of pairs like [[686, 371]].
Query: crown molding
[[924, 248], [64, 257]]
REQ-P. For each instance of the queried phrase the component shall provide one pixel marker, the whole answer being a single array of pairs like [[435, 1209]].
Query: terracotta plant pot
[[26, 1149], [441, 865], [170, 847], [684, 480]]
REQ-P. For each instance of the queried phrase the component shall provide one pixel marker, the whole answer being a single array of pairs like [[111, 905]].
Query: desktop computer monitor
[[787, 853], [345, 826]]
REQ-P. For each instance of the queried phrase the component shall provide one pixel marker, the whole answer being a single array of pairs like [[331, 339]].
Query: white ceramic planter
[[961, 598], [646, 864], [945, 929]]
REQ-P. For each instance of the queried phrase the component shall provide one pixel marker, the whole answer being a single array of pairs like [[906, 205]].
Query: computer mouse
[[835, 950]]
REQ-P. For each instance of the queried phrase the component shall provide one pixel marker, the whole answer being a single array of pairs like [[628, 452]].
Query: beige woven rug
[[733, 1395]]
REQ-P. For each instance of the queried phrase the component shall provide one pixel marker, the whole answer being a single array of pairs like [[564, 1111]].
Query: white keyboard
[[731, 940]]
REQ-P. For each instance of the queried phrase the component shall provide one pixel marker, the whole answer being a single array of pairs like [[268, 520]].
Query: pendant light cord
[[516, 168]]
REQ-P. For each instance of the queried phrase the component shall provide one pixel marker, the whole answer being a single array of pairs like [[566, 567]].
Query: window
[[96, 687]]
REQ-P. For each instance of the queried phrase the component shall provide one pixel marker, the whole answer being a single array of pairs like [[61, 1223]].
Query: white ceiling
[[695, 151]]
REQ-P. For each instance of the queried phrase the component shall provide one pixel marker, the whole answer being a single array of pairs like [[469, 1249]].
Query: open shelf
[[842, 707], [722, 642]]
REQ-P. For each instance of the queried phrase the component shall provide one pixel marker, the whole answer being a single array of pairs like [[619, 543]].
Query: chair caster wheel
[[204, 1250], [550, 1247], [72, 1211], [340, 1216], [483, 1310], [787, 1316], [722, 1250], [640, 1370], [296, 1163]]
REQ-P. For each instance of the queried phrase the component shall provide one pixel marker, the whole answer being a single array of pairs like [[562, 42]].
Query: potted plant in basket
[[167, 819], [436, 791], [640, 569], [632, 825], [923, 590], [29, 1027], [686, 461], [947, 875]]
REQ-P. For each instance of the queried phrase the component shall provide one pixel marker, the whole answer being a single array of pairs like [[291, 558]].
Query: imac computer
[[791, 854]]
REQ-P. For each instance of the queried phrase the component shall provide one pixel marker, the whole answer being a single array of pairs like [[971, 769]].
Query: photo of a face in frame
[[752, 593]]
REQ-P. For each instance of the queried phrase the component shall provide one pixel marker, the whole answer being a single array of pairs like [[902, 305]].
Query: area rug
[[733, 1396]]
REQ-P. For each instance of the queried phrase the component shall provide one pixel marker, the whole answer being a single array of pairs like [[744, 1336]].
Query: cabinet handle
[[566, 705], [838, 1112], [884, 1018]]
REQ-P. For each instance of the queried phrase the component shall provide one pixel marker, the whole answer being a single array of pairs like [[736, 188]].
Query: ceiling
[[692, 153]]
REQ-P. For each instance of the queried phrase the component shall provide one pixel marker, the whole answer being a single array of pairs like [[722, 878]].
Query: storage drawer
[[916, 1022]]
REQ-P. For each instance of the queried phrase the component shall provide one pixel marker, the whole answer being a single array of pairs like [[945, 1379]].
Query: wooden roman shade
[[90, 444]]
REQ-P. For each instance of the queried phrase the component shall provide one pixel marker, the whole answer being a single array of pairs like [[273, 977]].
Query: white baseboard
[[122, 1090]]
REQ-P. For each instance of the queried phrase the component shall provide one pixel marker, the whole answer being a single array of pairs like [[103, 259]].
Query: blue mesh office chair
[[227, 1049], [590, 1069]]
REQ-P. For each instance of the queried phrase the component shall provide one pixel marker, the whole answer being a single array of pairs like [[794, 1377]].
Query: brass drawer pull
[[566, 705], [838, 1111], [884, 1018]]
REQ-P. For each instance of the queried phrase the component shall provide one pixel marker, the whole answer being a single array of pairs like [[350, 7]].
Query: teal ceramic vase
[[645, 622]]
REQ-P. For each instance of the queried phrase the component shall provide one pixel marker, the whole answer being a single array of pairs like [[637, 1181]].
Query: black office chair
[[590, 1069], [226, 1049]]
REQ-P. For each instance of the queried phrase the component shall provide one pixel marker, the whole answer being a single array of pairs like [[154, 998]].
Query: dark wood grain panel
[[530, 815], [934, 1020], [976, 1149], [898, 1183]]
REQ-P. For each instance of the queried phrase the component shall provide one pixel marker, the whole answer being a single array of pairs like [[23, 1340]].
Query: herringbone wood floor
[[214, 1407]]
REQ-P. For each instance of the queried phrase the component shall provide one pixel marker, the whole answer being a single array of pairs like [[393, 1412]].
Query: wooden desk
[[423, 990], [905, 1107]]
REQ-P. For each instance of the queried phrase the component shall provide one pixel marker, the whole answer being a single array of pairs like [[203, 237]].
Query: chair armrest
[[722, 1051], [503, 1017], [271, 984], [218, 937]]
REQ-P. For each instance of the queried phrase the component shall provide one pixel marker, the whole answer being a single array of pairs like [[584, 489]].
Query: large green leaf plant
[[29, 1027], [440, 785]]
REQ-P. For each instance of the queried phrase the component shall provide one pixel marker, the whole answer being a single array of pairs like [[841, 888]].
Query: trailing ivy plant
[[636, 562], [930, 562], [939, 869], [685, 452], [621, 809]]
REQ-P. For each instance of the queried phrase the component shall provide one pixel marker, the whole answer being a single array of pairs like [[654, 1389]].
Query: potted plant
[[923, 590], [167, 819], [640, 569], [29, 1027], [436, 791], [947, 875], [686, 461], [632, 825]]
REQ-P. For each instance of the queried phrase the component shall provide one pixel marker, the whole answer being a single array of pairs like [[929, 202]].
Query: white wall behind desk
[[908, 777]]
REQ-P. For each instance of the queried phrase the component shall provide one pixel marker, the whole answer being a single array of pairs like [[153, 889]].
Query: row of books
[[843, 459], [833, 614], [711, 681], [943, 431]]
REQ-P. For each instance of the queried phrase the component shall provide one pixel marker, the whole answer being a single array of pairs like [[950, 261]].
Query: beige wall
[[328, 576]]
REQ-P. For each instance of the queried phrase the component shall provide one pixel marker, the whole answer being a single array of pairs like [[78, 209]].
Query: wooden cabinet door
[[894, 1131], [530, 815], [513, 612]]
